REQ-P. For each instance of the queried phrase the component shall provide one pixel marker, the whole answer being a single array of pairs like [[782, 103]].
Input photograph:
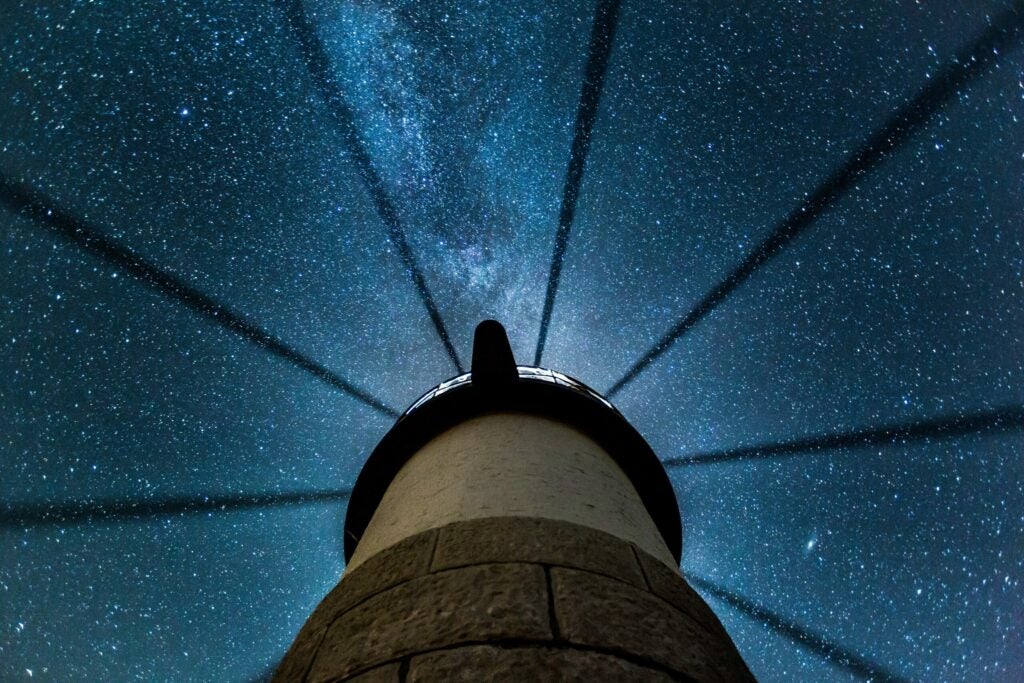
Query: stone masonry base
[[512, 599]]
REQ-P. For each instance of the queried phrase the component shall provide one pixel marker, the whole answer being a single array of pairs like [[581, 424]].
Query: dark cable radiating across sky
[[851, 661], [166, 487], [125, 510], [22, 200], [602, 37], [959, 425], [318, 63], [967, 65]]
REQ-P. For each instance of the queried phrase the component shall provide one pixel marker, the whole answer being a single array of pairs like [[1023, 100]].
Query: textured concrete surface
[[389, 673], [481, 603], [596, 611], [300, 655], [536, 664], [668, 584], [401, 562], [511, 465], [541, 541], [397, 564], [512, 599]]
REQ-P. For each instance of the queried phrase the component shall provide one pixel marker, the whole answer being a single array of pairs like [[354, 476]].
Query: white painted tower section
[[511, 465]]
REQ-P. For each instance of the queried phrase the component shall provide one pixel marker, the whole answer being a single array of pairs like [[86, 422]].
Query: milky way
[[195, 135]]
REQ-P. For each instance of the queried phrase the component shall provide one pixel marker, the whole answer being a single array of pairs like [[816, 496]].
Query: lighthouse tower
[[512, 525]]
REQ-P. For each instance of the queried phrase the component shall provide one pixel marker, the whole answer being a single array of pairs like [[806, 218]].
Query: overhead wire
[[833, 652], [906, 433], [971, 62], [318, 65], [20, 516], [602, 37], [22, 200]]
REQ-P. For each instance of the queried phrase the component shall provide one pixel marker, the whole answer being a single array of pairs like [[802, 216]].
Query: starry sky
[[196, 135]]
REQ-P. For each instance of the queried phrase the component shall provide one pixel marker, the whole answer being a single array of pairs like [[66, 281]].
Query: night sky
[[196, 135]]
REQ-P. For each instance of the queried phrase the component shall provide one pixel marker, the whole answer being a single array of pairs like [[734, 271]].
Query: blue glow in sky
[[193, 134]]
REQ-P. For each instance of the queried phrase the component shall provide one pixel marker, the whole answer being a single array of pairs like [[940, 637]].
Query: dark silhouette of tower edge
[[512, 525]]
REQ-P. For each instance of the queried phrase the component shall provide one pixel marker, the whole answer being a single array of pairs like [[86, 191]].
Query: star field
[[195, 135]]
